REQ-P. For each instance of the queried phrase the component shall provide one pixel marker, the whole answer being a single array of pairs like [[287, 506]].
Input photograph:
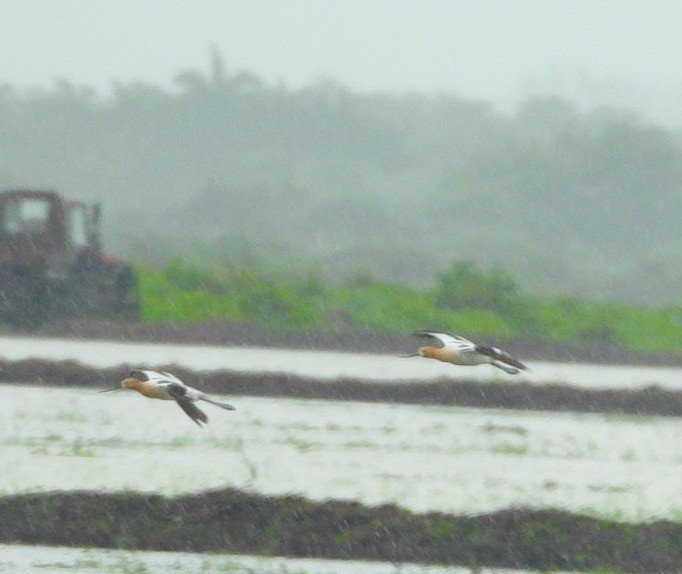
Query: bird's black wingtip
[[423, 333]]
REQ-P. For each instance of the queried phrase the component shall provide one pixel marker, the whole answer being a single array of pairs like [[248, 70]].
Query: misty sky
[[624, 52]]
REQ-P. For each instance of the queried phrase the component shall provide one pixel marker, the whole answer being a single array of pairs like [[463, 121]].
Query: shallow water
[[325, 364], [423, 458], [22, 559]]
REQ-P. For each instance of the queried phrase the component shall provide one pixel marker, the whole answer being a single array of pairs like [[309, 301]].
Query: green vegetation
[[234, 522], [465, 299]]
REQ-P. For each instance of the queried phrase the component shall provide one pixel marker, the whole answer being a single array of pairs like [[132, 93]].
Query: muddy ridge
[[233, 521], [239, 333], [652, 400]]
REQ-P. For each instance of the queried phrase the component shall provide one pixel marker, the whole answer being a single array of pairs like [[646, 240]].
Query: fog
[[609, 51], [384, 138]]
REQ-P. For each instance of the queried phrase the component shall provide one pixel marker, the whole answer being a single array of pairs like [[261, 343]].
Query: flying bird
[[162, 385], [460, 351]]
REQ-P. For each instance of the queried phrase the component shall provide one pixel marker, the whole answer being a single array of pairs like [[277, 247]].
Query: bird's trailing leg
[[505, 368], [216, 402]]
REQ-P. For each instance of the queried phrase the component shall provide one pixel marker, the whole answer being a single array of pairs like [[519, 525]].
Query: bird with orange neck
[[460, 351], [162, 385]]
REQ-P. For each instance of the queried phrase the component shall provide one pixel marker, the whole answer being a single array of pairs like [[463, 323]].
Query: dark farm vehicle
[[52, 265]]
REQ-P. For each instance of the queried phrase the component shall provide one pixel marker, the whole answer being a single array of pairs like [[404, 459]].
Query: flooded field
[[57, 560], [326, 365], [423, 458]]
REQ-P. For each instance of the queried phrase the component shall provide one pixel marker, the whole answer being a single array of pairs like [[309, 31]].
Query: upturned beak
[[407, 356], [116, 388]]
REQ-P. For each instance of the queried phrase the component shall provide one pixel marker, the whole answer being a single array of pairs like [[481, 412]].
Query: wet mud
[[238, 522], [652, 400]]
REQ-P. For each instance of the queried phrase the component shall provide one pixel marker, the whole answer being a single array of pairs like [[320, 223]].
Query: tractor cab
[[42, 225], [51, 260]]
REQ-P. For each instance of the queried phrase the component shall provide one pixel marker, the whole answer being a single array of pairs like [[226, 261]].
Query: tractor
[[52, 265]]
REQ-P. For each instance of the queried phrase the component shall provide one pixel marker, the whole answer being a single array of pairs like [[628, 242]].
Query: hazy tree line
[[225, 167]]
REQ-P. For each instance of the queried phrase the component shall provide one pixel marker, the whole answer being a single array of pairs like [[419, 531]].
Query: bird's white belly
[[472, 359]]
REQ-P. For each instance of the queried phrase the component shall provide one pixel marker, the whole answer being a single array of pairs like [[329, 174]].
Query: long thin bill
[[116, 388]]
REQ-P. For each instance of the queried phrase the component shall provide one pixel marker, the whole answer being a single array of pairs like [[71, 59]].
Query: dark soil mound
[[551, 397], [237, 522]]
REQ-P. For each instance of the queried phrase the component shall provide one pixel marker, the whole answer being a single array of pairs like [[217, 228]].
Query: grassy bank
[[238, 522], [465, 299]]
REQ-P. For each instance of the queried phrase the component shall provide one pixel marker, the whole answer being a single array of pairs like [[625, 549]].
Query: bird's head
[[133, 382]]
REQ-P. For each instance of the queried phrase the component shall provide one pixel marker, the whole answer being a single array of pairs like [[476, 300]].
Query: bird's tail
[[217, 403]]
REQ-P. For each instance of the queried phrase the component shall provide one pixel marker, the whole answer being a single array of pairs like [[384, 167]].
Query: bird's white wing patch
[[171, 377], [442, 337], [456, 341], [162, 377], [462, 345]]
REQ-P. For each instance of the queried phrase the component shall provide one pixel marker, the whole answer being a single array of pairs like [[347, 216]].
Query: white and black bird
[[460, 351], [162, 385]]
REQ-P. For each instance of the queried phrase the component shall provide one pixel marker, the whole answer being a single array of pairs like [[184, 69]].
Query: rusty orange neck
[[143, 387], [437, 353]]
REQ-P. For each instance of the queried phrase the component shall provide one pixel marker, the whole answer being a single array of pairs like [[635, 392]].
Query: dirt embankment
[[237, 522], [523, 396], [552, 397]]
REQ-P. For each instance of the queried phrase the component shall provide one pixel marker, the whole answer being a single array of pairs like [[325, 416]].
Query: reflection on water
[[20, 559]]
